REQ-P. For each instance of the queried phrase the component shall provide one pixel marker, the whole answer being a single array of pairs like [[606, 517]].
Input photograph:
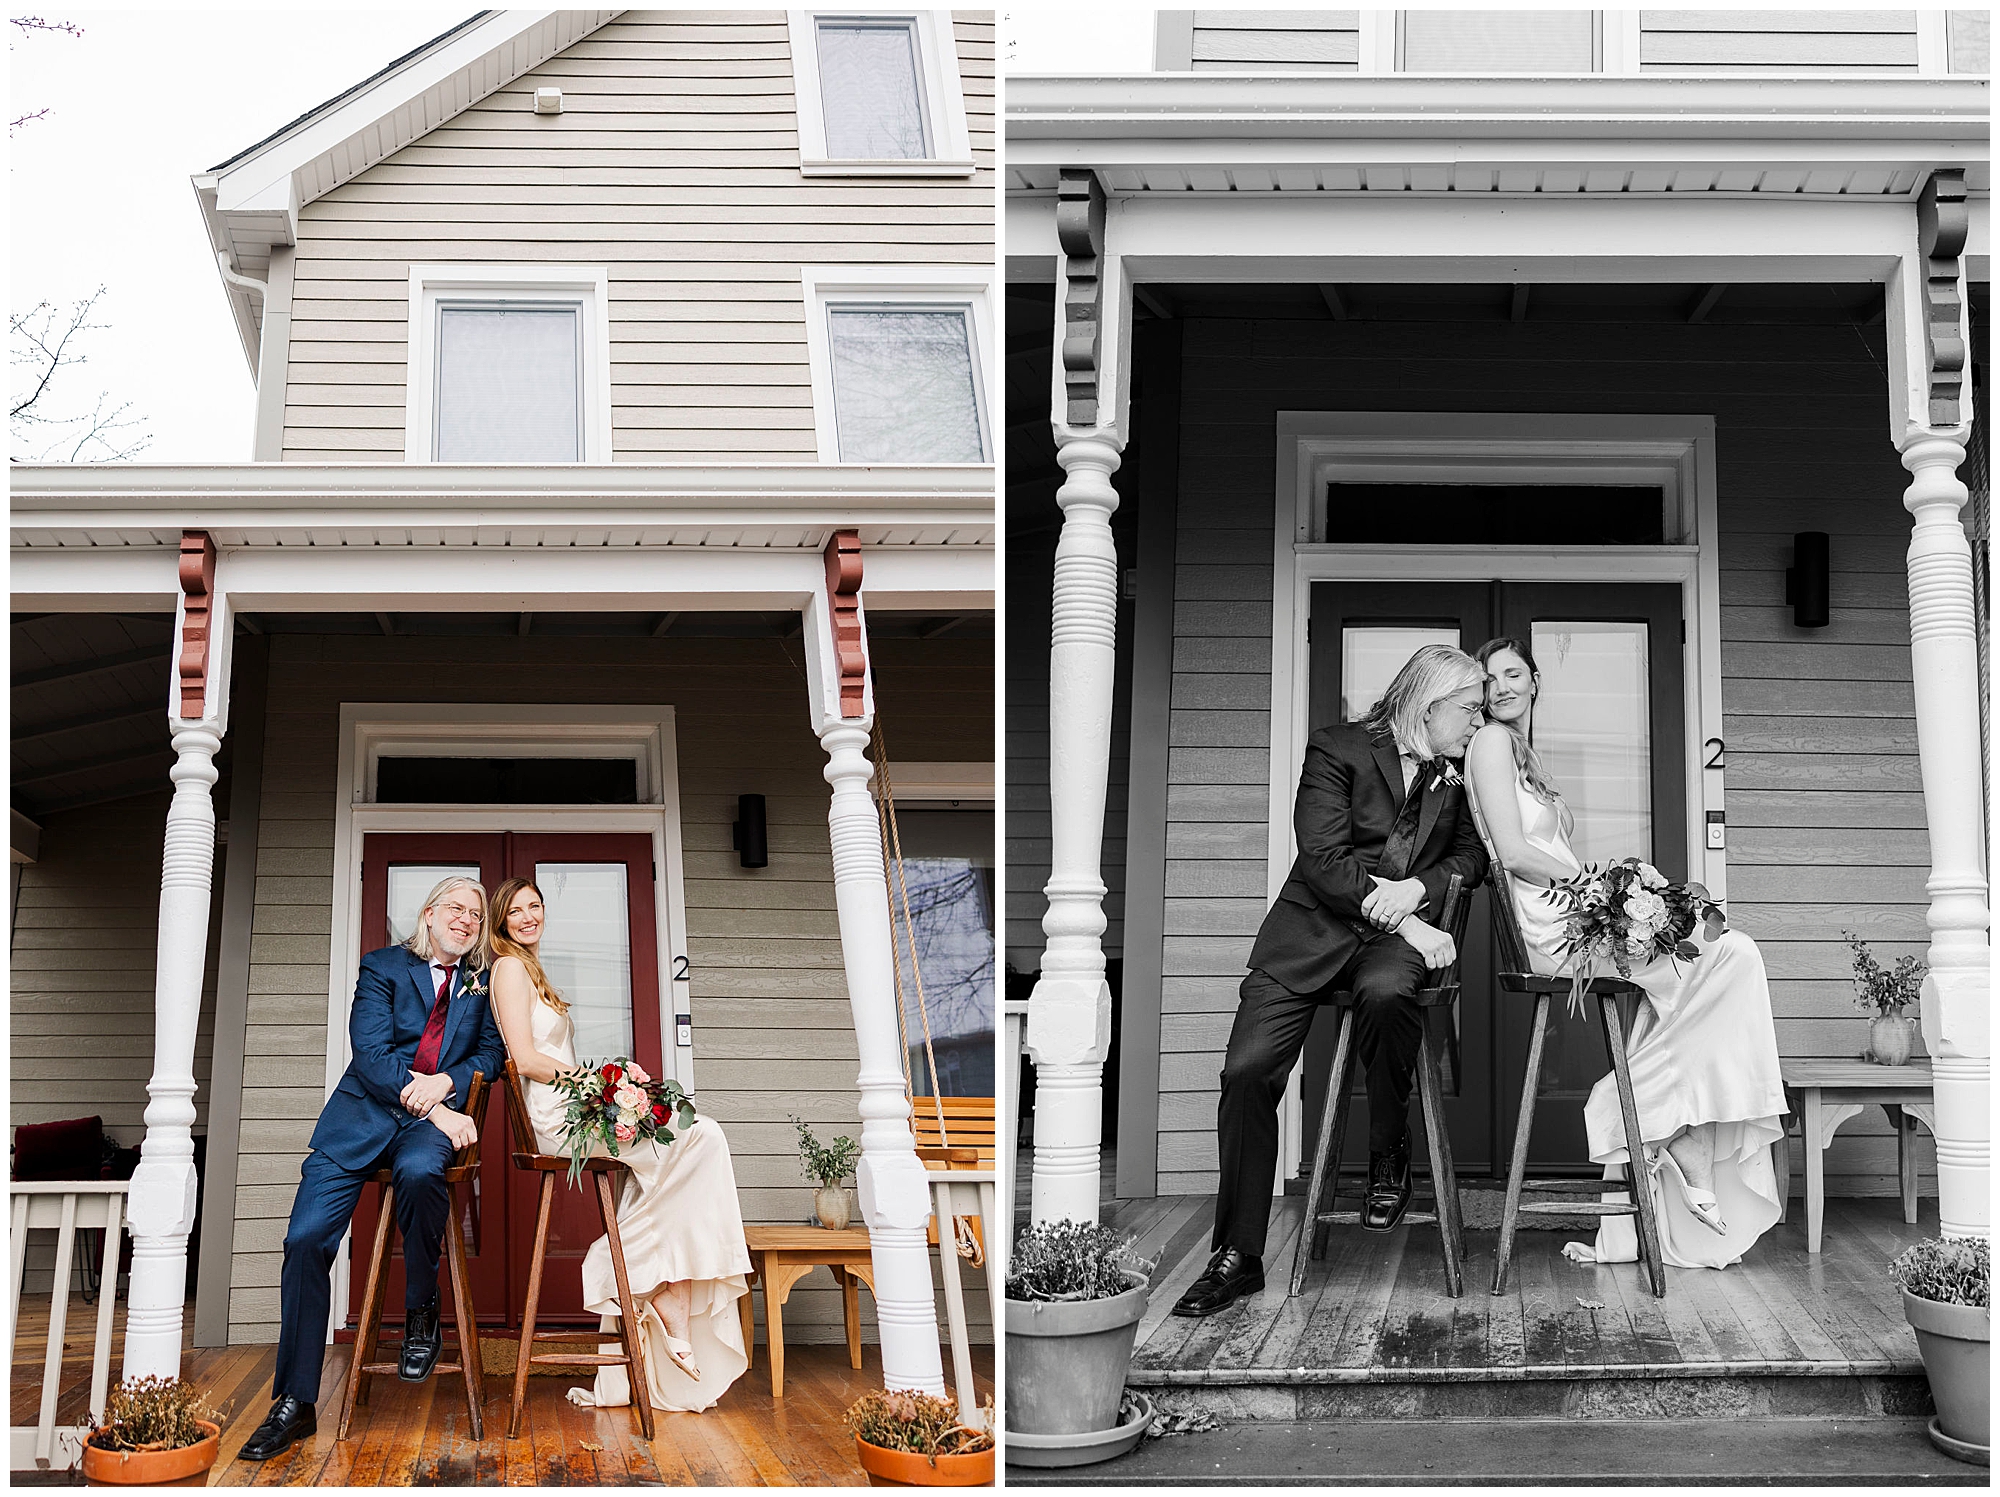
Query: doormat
[[497, 1356], [1481, 1206]]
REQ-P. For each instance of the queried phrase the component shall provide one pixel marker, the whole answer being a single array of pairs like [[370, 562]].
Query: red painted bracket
[[843, 596], [198, 590]]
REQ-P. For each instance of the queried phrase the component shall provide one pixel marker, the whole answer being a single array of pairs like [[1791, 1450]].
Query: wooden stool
[[527, 1156], [464, 1166], [1435, 1003], [1517, 976]]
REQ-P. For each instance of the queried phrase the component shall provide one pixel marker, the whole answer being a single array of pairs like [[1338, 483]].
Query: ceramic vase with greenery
[[1075, 1295], [1883, 993], [155, 1430], [829, 1164], [1945, 1285], [905, 1438]]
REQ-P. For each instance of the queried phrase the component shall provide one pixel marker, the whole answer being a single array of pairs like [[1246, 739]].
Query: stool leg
[[1524, 1127], [628, 1320], [371, 1309], [1906, 1159], [1311, 1240], [461, 1314], [850, 1312], [534, 1299], [1642, 1194], [1444, 1179]]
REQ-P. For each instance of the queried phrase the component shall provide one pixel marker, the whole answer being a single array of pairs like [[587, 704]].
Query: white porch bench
[[63, 1206]]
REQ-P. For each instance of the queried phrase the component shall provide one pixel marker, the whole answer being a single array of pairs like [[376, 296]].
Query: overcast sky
[[100, 192], [1077, 39]]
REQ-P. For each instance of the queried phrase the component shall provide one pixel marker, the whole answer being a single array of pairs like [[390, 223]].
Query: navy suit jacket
[[392, 1004]]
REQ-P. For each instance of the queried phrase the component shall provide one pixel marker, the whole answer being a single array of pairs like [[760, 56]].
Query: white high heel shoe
[[1702, 1204]]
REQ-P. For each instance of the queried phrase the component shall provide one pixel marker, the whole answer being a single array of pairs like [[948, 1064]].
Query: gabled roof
[[251, 202]]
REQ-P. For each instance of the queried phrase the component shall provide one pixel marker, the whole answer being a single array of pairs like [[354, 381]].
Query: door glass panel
[[409, 883], [1371, 654], [587, 952], [1593, 732], [951, 914]]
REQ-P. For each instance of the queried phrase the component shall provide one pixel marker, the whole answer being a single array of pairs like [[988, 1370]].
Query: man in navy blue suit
[[421, 1025]]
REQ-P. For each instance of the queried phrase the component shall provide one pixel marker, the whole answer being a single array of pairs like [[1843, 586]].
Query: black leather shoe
[[421, 1343], [288, 1422], [1230, 1275], [1388, 1188]]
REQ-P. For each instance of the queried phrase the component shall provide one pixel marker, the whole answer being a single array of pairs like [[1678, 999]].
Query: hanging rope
[[892, 856]]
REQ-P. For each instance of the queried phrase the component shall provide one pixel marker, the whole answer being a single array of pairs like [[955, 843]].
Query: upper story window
[[508, 364], [897, 363], [879, 94]]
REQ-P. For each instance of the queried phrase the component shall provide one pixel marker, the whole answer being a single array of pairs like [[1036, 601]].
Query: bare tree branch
[[27, 119], [36, 23], [43, 341]]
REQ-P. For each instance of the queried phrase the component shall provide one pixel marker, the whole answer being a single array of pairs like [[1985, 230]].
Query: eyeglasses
[[1470, 709], [459, 912]]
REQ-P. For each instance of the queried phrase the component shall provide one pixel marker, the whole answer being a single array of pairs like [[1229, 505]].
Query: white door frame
[[1675, 452]]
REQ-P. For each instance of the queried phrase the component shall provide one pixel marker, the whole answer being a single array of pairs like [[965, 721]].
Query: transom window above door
[[508, 364], [898, 368], [879, 94]]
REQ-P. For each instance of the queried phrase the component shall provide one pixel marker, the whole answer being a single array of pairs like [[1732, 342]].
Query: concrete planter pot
[[1067, 1360], [1049, 1452], [1956, 1342], [831, 1206]]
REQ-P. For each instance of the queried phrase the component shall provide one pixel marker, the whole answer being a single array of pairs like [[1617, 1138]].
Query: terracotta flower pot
[[1956, 1342], [1889, 1040], [151, 1468], [831, 1206], [899, 1468], [1067, 1360]]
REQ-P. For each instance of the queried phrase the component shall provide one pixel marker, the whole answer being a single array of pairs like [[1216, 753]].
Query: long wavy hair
[[1427, 678], [503, 944], [475, 959], [1533, 773]]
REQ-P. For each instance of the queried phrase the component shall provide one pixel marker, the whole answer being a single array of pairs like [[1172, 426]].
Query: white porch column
[[1069, 1012], [162, 1200], [893, 1186], [1931, 418]]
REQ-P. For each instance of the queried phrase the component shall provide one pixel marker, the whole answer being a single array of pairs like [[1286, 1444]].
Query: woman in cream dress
[[1703, 1052], [685, 1258]]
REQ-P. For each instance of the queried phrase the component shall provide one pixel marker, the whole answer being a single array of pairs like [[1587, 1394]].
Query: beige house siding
[[1241, 41], [674, 165], [773, 1032], [1826, 827], [1706, 40], [86, 928]]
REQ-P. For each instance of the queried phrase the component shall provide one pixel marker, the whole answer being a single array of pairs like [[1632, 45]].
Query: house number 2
[[1714, 747]]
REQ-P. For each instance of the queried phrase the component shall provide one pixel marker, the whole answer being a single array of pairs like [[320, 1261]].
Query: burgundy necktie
[[433, 1040]]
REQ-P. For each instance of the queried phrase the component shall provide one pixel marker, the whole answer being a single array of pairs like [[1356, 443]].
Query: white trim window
[[879, 94], [899, 362], [509, 364]]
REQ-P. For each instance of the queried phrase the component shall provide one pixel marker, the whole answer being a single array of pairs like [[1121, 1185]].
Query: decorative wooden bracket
[[843, 598], [198, 592], [1080, 232], [1943, 220]]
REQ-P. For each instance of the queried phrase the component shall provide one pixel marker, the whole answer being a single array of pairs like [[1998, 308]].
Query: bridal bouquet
[[617, 1104], [1627, 913]]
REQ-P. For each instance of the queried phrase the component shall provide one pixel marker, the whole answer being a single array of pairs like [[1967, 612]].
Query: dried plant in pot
[[1074, 1296], [910, 1439], [1884, 993], [155, 1430], [1946, 1284], [829, 1164]]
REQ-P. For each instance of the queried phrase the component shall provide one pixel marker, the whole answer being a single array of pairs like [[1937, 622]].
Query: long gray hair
[[1526, 760], [1427, 678], [420, 938]]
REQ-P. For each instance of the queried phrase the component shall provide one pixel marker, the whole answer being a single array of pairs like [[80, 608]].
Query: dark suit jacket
[[392, 1004], [1350, 790]]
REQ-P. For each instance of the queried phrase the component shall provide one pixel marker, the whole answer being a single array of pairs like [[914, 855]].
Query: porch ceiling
[[89, 719]]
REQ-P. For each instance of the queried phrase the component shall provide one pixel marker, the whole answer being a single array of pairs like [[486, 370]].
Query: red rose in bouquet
[[618, 1105]]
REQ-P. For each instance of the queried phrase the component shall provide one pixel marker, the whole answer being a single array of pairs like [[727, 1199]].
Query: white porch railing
[[63, 1206]]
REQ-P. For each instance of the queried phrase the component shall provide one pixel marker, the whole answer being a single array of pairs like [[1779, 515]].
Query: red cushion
[[70, 1150]]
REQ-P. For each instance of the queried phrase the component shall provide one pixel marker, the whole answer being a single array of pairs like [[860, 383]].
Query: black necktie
[[1401, 847]]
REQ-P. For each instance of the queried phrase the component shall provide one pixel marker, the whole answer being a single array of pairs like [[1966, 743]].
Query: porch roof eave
[[372, 504]]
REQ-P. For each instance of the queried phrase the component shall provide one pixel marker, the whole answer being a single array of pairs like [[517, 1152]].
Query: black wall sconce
[[748, 834], [1809, 579]]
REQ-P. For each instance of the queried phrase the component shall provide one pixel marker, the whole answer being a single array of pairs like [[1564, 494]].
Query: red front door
[[600, 951]]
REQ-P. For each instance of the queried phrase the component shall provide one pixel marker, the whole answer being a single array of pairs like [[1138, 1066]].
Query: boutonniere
[[1447, 776], [475, 986]]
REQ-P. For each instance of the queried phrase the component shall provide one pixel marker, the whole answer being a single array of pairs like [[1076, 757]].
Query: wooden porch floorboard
[[418, 1435], [1375, 1307]]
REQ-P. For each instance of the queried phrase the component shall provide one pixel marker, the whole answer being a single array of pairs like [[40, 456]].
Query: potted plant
[[910, 1439], [1075, 1295], [155, 1430], [1885, 993], [829, 1164], [1944, 1283]]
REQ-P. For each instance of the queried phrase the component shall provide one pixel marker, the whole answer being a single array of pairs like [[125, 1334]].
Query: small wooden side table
[[782, 1255], [1826, 1093]]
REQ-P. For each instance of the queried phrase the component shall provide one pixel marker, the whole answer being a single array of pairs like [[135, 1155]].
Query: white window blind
[[1497, 41], [509, 385], [904, 390], [870, 91]]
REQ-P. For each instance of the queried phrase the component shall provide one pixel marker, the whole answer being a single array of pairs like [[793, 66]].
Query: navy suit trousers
[[417, 1157]]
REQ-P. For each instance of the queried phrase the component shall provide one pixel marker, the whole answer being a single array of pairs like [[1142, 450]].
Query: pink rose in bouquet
[[1628, 913], [617, 1104]]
